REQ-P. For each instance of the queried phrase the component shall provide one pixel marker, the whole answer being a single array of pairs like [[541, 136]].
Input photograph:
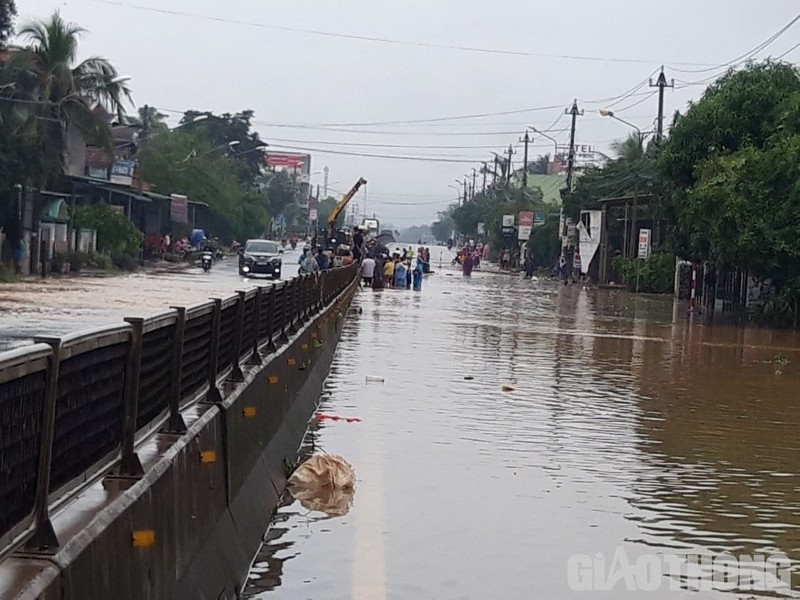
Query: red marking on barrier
[[327, 417]]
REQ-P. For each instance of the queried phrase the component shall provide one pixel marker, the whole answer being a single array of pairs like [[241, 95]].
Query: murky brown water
[[627, 428], [55, 306]]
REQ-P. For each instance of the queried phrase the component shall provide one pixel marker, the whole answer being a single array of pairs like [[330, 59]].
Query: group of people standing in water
[[401, 270], [470, 256]]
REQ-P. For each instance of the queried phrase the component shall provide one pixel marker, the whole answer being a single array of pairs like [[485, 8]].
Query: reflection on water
[[628, 427]]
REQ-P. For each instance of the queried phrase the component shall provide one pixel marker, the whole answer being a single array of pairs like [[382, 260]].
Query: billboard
[[179, 209], [122, 172], [289, 160], [525, 225], [644, 243]]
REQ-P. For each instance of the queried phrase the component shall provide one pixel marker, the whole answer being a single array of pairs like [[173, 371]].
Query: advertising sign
[[538, 219], [287, 160], [312, 214], [122, 172], [481, 228], [644, 243], [508, 220], [179, 209], [525, 225]]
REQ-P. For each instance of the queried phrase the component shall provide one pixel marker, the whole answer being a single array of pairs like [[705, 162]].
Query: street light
[[258, 149], [608, 113], [120, 79], [552, 139], [193, 153]]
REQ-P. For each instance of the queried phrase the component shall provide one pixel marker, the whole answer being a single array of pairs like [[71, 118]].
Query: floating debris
[[508, 388]]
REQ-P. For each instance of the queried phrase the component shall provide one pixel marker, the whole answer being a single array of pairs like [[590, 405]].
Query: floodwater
[[59, 305], [624, 430]]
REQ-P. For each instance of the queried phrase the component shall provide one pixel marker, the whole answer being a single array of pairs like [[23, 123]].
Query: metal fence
[[72, 408]]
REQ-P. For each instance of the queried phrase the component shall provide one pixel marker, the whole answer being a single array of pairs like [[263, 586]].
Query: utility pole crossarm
[[571, 156], [661, 84]]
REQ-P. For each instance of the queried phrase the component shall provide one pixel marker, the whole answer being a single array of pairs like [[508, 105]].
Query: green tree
[[116, 235], [184, 162], [62, 92], [226, 129], [8, 10], [743, 115]]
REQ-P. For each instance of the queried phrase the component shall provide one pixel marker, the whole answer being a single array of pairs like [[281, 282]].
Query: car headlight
[[248, 258], [276, 261], [246, 269]]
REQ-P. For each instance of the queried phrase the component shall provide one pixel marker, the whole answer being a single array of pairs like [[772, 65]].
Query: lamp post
[[552, 139], [608, 113]]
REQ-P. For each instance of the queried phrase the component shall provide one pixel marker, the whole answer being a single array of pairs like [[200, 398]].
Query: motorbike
[[205, 260], [294, 244]]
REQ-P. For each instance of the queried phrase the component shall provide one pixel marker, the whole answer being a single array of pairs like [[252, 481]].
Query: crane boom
[[343, 203]]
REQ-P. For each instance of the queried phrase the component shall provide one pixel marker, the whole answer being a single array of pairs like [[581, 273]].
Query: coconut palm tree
[[64, 94]]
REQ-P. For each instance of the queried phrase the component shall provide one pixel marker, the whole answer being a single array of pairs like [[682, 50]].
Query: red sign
[[179, 209], [526, 219], [290, 161]]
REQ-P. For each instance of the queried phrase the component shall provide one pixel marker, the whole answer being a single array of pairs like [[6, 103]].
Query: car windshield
[[262, 247]]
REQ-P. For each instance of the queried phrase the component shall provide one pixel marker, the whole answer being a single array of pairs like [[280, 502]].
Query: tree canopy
[[730, 174]]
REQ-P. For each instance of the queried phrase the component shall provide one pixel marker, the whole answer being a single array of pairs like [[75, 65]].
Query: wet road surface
[[626, 428], [59, 305]]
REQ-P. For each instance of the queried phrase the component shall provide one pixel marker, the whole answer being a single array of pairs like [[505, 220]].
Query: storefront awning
[[54, 208], [128, 193]]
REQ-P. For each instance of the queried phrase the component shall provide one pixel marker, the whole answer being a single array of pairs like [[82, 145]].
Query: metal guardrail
[[72, 408]]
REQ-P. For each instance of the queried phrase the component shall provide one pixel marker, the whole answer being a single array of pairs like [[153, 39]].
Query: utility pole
[[510, 169], [325, 184], [571, 156], [661, 83], [526, 140], [494, 174], [474, 176], [483, 189], [465, 190]]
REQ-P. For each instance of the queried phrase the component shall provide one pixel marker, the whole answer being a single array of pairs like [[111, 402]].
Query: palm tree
[[630, 149], [64, 94]]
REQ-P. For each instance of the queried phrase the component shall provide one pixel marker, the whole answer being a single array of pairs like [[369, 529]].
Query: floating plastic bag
[[324, 483]]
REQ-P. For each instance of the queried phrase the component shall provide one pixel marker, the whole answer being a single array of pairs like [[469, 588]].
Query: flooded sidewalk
[[507, 427]]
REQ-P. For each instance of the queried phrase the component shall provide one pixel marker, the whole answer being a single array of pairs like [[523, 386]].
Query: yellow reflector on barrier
[[272, 379], [291, 362], [144, 538], [304, 346], [249, 411], [209, 456]]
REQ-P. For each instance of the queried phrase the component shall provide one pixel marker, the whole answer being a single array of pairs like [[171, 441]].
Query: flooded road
[[622, 431], [59, 305]]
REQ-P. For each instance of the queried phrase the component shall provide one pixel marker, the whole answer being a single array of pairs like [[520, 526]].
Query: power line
[[746, 55], [381, 40], [385, 156], [399, 146]]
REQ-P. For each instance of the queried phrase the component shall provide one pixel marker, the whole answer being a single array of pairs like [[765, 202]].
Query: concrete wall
[[207, 516]]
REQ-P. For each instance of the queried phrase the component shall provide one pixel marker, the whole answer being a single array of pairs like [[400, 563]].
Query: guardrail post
[[236, 369], [44, 536], [130, 465], [271, 347], [255, 357], [292, 305], [214, 394], [305, 298], [176, 424]]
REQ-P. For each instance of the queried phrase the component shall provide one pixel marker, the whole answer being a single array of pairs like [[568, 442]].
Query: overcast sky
[[271, 57]]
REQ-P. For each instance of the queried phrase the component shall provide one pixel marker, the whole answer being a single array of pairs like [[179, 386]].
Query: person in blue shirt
[[400, 274], [322, 259]]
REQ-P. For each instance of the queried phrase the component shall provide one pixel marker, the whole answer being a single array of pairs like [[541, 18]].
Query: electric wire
[[381, 40]]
